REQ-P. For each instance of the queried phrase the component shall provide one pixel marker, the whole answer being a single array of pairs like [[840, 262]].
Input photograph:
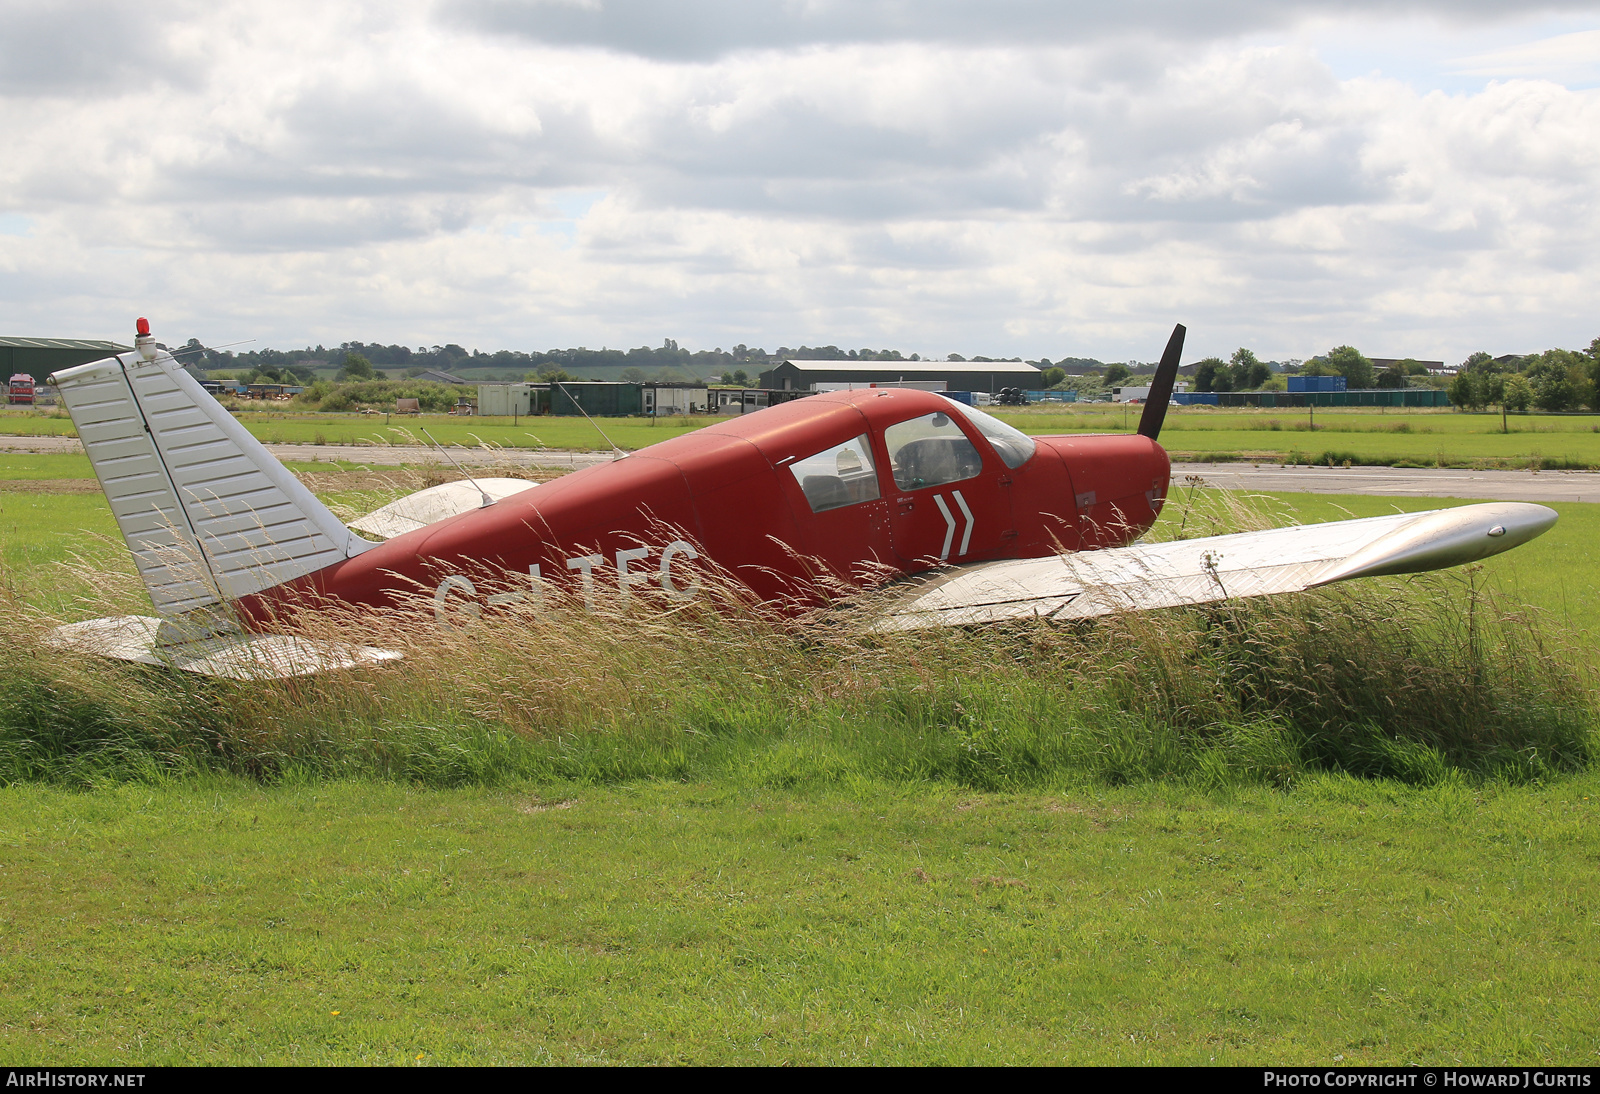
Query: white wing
[[1199, 571]]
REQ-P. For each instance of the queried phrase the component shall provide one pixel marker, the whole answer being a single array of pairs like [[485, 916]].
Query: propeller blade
[[1155, 407]]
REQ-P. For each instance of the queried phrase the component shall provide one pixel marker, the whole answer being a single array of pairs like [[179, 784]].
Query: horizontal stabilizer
[[436, 503], [236, 656], [1200, 571]]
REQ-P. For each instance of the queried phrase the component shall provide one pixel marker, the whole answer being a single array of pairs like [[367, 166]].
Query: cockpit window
[[930, 451], [838, 476], [1013, 446]]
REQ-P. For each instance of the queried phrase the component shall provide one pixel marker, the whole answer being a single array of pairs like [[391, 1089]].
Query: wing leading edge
[[1200, 571]]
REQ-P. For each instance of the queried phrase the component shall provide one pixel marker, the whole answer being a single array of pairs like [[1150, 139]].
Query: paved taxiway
[[1397, 481], [1384, 481]]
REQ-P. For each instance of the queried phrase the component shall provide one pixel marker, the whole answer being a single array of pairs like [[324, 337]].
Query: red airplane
[[850, 487]]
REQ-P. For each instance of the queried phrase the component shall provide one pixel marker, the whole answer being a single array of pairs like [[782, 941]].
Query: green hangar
[[39, 357], [991, 376]]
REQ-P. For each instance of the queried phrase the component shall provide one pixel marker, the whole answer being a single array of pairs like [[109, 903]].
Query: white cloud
[[1041, 184], [1573, 57], [707, 29]]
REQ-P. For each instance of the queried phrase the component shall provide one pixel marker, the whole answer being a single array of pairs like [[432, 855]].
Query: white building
[[662, 399], [505, 399]]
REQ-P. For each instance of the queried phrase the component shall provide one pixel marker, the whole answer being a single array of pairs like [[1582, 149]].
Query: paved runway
[[1399, 481], [1382, 481]]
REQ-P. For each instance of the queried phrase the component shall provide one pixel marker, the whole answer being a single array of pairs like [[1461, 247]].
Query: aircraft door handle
[[907, 503]]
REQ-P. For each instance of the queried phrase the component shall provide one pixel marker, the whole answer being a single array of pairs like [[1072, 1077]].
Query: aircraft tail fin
[[208, 513]]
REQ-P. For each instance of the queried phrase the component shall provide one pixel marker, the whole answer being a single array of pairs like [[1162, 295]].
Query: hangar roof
[[888, 367], [62, 343]]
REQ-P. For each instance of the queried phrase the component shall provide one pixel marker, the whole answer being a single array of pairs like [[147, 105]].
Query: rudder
[[208, 513]]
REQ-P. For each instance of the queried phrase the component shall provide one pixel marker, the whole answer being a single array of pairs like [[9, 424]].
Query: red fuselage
[[741, 496]]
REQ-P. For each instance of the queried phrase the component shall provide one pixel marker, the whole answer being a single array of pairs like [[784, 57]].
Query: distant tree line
[[1242, 372], [1557, 379], [362, 361], [354, 394]]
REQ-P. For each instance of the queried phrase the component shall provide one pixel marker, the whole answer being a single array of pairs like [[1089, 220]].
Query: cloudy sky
[[1011, 177]]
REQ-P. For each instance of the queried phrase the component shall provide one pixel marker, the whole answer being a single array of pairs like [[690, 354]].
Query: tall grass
[[1418, 679]]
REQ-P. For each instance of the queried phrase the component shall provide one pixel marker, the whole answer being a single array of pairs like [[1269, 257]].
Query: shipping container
[[1400, 397], [1316, 383]]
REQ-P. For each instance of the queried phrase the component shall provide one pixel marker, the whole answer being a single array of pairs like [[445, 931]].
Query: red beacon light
[[145, 344]]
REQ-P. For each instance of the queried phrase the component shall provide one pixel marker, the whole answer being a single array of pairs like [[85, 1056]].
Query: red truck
[[20, 392]]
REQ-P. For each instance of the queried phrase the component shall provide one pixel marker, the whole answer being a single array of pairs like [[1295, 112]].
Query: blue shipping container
[[1316, 383]]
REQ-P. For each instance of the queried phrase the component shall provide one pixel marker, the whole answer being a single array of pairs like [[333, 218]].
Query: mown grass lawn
[[1106, 418], [546, 432], [35, 423], [1424, 437], [357, 922], [1570, 450]]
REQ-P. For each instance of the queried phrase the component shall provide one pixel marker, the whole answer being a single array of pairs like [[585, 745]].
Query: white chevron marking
[[950, 527], [966, 536]]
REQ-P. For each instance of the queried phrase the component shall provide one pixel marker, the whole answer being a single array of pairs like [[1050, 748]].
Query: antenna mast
[[487, 500], [620, 454]]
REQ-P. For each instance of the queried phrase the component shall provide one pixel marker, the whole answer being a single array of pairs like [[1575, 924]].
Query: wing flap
[[1143, 577]]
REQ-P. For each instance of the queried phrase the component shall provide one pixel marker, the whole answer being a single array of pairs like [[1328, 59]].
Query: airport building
[[990, 376], [39, 357], [622, 399], [513, 399]]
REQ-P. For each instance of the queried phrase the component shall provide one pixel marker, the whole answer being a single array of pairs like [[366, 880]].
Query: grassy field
[[279, 427], [1389, 437], [1548, 449], [1346, 923], [1368, 435], [52, 511], [733, 846]]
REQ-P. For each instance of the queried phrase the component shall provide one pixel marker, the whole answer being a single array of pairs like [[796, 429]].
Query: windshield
[[930, 451], [1013, 446]]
